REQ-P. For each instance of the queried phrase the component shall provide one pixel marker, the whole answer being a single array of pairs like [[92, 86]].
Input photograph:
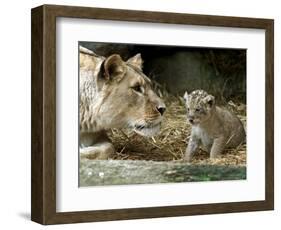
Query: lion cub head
[[125, 98], [199, 106]]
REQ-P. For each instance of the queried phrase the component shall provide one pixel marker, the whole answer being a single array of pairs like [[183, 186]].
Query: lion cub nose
[[161, 109]]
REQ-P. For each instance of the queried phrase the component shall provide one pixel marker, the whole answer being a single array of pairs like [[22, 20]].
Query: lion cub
[[213, 127]]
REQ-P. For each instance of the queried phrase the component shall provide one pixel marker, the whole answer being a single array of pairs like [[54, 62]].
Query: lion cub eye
[[138, 88], [197, 110]]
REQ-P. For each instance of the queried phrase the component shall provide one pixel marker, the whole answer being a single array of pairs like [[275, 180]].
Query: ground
[[171, 142], [142, 160]]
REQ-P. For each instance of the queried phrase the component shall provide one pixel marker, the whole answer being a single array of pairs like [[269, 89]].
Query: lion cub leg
[[95, 146], [191, 148], [217, 147]]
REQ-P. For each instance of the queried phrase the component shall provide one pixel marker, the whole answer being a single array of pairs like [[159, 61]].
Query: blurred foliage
[[231, 67]]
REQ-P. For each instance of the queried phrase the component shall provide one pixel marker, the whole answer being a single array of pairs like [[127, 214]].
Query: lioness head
[[126, 98], [199, 106]]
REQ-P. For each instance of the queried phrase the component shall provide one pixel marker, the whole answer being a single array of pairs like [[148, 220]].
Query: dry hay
[[171, 142]]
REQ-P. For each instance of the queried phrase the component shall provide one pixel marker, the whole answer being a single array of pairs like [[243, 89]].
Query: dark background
[[221, 72]]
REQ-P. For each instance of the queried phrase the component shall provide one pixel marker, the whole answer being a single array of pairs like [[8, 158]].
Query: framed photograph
[[139, 114]]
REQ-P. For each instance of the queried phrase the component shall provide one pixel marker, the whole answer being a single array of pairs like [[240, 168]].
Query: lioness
[[114, 94], [213, 127]]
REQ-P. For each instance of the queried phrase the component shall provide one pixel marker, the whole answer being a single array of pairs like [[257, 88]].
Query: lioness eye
[[137, 88]]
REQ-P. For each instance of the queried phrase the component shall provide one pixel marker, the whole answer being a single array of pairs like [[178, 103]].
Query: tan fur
[[114, 94], [213, 127]]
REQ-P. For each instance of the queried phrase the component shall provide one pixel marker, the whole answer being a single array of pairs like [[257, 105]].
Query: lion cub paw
[[100, 151]]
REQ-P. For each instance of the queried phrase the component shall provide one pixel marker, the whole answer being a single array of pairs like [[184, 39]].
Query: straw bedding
[[171, 142]]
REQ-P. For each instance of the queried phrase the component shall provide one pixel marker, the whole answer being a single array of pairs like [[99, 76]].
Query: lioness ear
[[210, 100], [185, 96], [114, 68], [136, 61]]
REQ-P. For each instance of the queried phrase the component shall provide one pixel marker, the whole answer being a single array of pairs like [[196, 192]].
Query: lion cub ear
[[210, 100], [136, 61], [114, 68], [185, 96]]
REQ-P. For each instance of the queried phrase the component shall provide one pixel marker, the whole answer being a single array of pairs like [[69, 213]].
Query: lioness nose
[[161, 109]]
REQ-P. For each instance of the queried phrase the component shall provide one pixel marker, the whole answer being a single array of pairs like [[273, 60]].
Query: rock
[[117, 172], [104, 49]]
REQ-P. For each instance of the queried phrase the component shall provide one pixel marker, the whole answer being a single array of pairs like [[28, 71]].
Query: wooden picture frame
[[43, 186]]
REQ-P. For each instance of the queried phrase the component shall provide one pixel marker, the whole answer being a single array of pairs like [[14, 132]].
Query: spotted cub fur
[[213, 128]]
